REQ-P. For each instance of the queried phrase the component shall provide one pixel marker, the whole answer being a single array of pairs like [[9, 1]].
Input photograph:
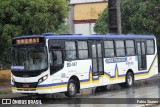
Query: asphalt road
[[149, 88]]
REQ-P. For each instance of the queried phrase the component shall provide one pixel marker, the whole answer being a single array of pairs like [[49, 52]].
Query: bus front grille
[[26, 85], [26, 89]]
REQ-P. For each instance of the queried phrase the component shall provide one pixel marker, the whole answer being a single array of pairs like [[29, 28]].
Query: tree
[[24, 17], [138, 17], [144, 17], [101, 25]]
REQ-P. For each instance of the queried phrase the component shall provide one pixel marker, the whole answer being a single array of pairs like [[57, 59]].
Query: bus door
[[56, 60], [141, 51], [97, 58]]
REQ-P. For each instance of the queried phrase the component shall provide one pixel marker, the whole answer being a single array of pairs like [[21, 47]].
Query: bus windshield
[[29, 58]]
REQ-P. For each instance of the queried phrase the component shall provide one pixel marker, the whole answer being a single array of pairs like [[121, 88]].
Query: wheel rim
[[129, 79], [72, 88]]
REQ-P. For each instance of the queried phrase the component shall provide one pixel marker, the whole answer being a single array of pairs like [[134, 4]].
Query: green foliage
[[63, 29], [138, 17], [24, 17], [141, 17], [101, 25]]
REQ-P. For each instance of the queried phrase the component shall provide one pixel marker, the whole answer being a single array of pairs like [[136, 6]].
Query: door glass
[[100, 64], [143, 56], [139, 55], [99, 49], [140, 61], [94, 66], [139, 48], [94, 54], [56, 57], [143, 49], [97, 63]]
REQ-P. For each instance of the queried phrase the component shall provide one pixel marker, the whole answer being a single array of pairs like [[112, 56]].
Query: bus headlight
[[42, 79]]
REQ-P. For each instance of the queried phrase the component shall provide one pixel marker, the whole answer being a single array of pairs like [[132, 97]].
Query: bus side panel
[[78, 68], [116, 68]]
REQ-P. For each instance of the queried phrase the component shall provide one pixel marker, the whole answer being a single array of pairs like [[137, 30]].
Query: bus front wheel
[[71, 88]]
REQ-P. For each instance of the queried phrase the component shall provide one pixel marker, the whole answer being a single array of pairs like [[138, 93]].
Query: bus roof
[[108, 36], [74, 36]]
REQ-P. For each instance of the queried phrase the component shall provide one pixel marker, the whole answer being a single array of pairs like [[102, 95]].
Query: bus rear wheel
[[71, 89], [129, 79]]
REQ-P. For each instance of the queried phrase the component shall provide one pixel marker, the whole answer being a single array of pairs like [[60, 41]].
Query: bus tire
[[71, 89], [129, 79]]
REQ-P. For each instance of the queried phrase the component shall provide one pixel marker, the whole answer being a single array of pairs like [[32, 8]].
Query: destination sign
[[115, 60]]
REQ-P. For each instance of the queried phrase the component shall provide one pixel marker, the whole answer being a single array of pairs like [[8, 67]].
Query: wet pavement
[[142, 89]]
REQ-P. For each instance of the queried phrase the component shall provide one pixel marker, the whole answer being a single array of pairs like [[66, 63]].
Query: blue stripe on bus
[[54, 84], [102, 37], [97, 78], [144, 72], [122, 75], [85, 80], [74, 36]]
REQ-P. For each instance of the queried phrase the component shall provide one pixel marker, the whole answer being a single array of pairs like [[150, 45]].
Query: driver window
[[56, 57]]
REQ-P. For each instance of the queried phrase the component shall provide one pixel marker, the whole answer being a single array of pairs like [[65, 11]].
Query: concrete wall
[[83, 15], [88, 11], [86, 29]]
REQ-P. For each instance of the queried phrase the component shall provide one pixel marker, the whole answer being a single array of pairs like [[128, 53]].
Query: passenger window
[[82, 50], [150, 47], [120, 50], [70, 48], [109, 48], [130, 50]]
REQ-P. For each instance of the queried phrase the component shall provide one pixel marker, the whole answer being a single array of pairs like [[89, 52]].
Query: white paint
[[85, 1], [85, 29]]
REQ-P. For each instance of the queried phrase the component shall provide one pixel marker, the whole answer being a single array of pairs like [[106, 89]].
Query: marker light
[[18, 41]]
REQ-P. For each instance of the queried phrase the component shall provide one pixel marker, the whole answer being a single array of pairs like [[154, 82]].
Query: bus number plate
[[70, 64]]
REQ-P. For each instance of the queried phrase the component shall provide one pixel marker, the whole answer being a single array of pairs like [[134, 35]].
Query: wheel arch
[[130, 70]]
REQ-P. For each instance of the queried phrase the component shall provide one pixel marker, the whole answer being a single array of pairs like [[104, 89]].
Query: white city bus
[[49, 63]]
